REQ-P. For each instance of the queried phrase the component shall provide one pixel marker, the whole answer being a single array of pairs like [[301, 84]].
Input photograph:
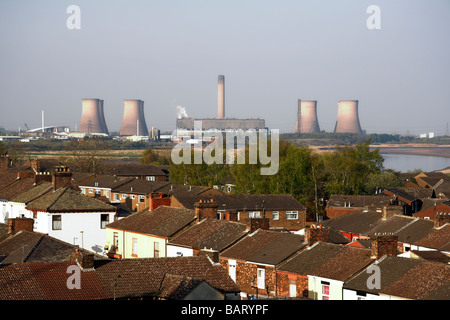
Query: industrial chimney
[[348, 118], [307, 121], [133, 122], [221, 97], [92, 118]]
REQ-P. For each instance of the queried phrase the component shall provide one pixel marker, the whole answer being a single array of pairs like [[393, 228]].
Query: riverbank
[[415, 149]]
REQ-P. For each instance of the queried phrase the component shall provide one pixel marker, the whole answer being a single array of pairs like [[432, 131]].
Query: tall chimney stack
[[221, 97]]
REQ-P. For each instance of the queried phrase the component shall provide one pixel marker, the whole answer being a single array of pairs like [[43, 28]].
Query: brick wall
[[384, 245], [246, 278]]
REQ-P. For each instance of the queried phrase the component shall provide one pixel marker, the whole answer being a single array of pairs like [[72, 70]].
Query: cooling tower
[[221, 98], [102, 114], [347, 117], [133, 122], [307, 117], [92, 118]]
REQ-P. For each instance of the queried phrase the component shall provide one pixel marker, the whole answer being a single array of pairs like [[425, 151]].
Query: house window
[[325, 290], [124, 196], [104, 220], [275, 215], [116, 196], [156, 250], [134, 242], [91, 190], [116, 239], [254, 214], [56, 222], [291, 215], [141, 199], [232, 269], [132, 196], [150, 178], [98, 192], [261, 277]]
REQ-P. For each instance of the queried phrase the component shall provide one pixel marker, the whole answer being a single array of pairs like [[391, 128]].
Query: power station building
[[185, 125]]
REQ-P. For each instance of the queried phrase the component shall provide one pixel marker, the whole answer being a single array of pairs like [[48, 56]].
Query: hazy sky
[[272, 53]]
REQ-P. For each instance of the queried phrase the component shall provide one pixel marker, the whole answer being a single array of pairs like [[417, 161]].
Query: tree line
[[306, 174]]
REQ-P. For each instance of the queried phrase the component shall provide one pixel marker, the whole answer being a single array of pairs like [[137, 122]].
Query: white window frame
[[275, 215], [254, 214], [232, 269], [134, 246], [261, 278], [291, 213]]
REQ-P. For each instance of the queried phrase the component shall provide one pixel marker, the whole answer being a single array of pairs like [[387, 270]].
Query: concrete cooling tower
[[221, 98], [347, 117], [133, 122], [307, 121], [92, 117]]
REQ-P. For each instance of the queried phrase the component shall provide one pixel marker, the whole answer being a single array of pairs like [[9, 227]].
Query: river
[[409, 162]]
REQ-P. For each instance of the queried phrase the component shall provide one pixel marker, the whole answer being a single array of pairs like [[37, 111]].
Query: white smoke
[[181, 112]]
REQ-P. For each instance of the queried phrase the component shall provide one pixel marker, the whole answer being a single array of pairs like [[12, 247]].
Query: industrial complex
[[134, 124]]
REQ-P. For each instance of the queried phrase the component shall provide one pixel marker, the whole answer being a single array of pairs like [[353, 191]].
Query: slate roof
[[211, 234], [105, 181], [359, 201], [369, 223], [68, 200], [307, 261], [438, 239], [411, 194], [391, 268], [164, 221], [26, 246], [358, 222], [7, 178], [16, 188], [344, 264], [420, 281], [47, 281], [34, 193], [120, 278], [244, 202], [135, 169], [407, 229], [265, 246]]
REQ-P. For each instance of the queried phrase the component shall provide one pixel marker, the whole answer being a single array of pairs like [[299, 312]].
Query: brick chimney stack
[[35, 165], [5, 163], [389, 211], [83, 259], [384, 244], [20, 224], [61, 177], [441, 218], [315, 234], [259, 223], [206, 209]]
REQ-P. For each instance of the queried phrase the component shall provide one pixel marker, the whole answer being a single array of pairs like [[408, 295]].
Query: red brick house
[[253, 261], [431, 212], [282, 211], [339, 205]]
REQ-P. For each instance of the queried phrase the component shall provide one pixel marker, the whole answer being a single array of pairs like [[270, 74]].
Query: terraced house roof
[[68, 200], [164, 221]]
